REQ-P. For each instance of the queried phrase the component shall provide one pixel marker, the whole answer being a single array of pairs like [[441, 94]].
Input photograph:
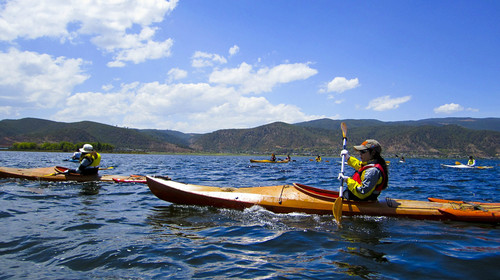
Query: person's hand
[[345, 153], [342, 177]]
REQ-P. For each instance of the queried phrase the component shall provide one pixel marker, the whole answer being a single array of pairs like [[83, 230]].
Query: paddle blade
[[343, 126], [337, 210], [106, 168], [458, 163]]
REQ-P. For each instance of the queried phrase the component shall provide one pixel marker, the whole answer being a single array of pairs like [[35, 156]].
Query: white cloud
[[341, 84], [107, 87], [28, 78], [6, 110], [142, 52], [107, 22], [448, 108], [234, 50], [203, 59], [196, 107], [262, 80], [176, 74], [385, 103]]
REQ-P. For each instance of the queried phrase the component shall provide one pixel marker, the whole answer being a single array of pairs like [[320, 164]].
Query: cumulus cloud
[[30, 78], [341, 84], [234, 50], [448, 108], [120, 27], [261, 80], [385, 103], [176, 74], [203, 59], [196, 107]]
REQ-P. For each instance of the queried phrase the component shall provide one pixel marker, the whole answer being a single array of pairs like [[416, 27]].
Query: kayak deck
[[52, 174], [306, 199]]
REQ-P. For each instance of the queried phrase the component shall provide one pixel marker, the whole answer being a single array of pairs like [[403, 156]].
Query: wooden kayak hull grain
[[50, 174], [305, 199]]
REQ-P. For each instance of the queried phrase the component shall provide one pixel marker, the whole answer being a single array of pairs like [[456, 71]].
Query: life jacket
[[94, 157], [379, 187]]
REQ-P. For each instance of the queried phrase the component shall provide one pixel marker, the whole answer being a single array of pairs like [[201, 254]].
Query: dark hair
[[380, 160]]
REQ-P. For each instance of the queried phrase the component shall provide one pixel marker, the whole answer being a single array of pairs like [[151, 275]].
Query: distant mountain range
[[442, 137]]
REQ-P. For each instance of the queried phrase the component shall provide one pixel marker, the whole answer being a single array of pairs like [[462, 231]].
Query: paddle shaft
[[337, 205], [344, 144]]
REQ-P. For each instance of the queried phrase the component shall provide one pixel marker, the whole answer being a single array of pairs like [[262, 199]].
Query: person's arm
[[84, 163]]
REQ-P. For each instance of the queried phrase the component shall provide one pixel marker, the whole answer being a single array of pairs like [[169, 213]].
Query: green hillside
[[448, 137], [124, 139]]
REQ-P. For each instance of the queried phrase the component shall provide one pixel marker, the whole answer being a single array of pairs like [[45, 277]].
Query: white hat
[[87, 148]]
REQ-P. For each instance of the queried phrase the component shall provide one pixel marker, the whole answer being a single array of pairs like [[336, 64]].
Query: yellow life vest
[[94, 157]]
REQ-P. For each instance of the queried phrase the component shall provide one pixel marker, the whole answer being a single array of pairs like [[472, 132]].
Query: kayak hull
[[52, 174], [306, 199], [268, 161], [463, 166]]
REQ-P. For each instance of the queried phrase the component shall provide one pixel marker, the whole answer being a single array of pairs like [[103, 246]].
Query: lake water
[[122, 231]]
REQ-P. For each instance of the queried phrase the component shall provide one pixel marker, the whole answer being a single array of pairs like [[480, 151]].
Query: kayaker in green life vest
[[89, 161], [371, 176], [471, 162]]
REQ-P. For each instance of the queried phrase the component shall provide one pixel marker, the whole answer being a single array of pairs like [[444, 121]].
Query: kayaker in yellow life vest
[[471, 162], [89, 161], [371, 176]]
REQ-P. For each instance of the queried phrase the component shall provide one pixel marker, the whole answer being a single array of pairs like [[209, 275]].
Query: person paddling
[[371, 176], [273, 157], [89, 161], [472, 161]]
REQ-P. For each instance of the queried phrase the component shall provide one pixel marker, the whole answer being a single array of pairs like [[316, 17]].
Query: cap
[[369, 144], [87, 148]]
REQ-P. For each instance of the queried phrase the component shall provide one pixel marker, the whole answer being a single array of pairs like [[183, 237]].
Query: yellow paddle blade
[[337, 209], [343, 126], [458, 163], [106, 168]]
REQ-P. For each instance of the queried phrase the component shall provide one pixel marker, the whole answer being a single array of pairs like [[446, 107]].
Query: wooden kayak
[[54, 174], [463, 202], [268, 161], [305, 199]]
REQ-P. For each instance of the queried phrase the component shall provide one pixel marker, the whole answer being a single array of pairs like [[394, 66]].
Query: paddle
[[458, 163], [58, 170], [337, 205], [106, 168]]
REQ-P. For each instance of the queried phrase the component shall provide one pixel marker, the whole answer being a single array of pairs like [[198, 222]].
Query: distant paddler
[[318, 158], [89, 161], [273, 157], [471, 162]]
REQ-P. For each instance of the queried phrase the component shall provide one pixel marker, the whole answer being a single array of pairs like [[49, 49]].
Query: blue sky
[[200, 66]]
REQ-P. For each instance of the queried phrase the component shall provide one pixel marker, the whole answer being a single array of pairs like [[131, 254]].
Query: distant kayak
[[268, 161], [464, 166]]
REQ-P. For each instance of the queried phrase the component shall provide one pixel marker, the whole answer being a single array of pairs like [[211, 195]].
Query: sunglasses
[[363, 151]]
